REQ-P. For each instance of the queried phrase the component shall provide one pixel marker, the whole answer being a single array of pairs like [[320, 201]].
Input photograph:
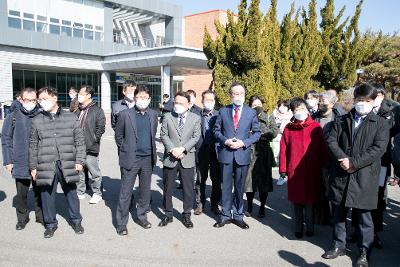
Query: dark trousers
[[144, 168], [365, 227], [250, 197], [21, 200], [233, 175], [208, 162], [303, 213], [48, 194], [377, 215], [169, 177]]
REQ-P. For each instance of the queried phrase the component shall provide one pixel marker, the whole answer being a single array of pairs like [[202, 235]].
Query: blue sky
[[377, 14]]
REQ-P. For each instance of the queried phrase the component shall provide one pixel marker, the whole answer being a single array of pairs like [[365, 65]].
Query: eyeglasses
[[29, 100]]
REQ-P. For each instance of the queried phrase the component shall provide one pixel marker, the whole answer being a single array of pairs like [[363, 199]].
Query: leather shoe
[[187, 223], [222, 224], [122, 230], [166, 220], [78, 228], [21, 225], [145, 224], [362, 260], [49, 232], [198, 211], [241, 224], [334, 253]]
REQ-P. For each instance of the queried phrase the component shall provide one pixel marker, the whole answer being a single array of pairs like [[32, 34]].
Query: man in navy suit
[[236, 129]]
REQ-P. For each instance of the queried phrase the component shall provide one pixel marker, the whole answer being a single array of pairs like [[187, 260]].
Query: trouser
[[208, 163], [365, 227], [169, 177], [143, 168], [250, 197], [233, 175], [303, 213], [48, 194], [21, 200], [92, 165]]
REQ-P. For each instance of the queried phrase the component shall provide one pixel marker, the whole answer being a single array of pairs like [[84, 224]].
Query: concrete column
[[166, 80], [105, 92]]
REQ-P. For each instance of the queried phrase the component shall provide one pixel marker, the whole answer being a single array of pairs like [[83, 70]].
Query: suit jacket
[[213, 119], [126, 136], [248, 131], [171, 138]]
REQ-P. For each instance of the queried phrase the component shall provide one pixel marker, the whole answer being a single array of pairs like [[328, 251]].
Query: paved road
[[268, 242]]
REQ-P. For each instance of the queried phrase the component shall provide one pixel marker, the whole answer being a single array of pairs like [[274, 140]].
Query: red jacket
[[303, 154]]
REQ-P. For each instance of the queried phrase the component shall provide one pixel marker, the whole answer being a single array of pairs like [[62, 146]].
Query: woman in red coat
[[303, 155]]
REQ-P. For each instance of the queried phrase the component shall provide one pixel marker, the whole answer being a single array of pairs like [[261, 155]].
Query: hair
[[380, 89], [89, 90], [330, 96], [165, 96], [211, 92], [183, 94], [26, 90], [296, 102], [254, 98], [191, 92], [234, 84], [313, 93], [128, 84], [365, 90], [284, 102], [73, 88], [49, 90], [142, 88]]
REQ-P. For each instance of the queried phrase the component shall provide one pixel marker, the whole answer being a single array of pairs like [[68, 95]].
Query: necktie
[[181, 123], [236, 117]]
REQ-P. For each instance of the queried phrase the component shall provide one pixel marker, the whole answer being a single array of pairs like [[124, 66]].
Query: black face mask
[[258, 110], [323, 108]]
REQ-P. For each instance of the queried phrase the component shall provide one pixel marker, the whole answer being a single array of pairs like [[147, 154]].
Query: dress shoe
[[40, 221], [378, 242], [145, 224], [222, 224], [166, 220], [187, 223], [49, 232], [241, 224], [334, 253], [247, 214], [198, 211], [78, 228], [298, 235], [122, 230], [216, 211], [362, 260], [310, 233], [21, 225]]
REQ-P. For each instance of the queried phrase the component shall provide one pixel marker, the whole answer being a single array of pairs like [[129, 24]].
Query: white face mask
[[29, 106], [142, 104], [283, 109], [301, 115], [363, 108], [378, 102], [130, 96], [81, 98], [47, 105], [72, 96], [209, 105], [179, 109], [312, 102], [238, 100]]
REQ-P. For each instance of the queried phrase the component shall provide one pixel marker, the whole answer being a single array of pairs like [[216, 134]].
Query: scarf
[[84, 111]]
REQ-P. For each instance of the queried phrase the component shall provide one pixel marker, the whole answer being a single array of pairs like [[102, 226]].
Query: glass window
[[41, 27], [28, 16], [41, 18], [40, 79], [98, 36], [78, 33], [66, 22], [88, 26], [88, 34], [54, 20], [14, 13], [14, 23], [62, 89], [99, 28], [29, 77], [78, 25], [18, 80], [51, 79], [66, 31], [54, 29], [29, 25]]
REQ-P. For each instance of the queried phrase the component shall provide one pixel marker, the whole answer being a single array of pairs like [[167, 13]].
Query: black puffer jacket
[[48, 135]]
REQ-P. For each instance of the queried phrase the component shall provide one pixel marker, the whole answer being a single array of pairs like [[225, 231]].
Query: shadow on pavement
[[297, 260], [3, 196]]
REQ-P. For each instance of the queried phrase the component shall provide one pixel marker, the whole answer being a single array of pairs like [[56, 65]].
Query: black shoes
[[21, 225], [166, 220], [121, 230], [216, 211], [49, 232], [261, 213], [222, 224], [78, 228], [334, 253], [362, 260], [187, 222], [241, 224], [145, 224], [298, 235]]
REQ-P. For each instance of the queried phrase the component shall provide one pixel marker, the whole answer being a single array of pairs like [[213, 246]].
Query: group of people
[[333, 161]]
